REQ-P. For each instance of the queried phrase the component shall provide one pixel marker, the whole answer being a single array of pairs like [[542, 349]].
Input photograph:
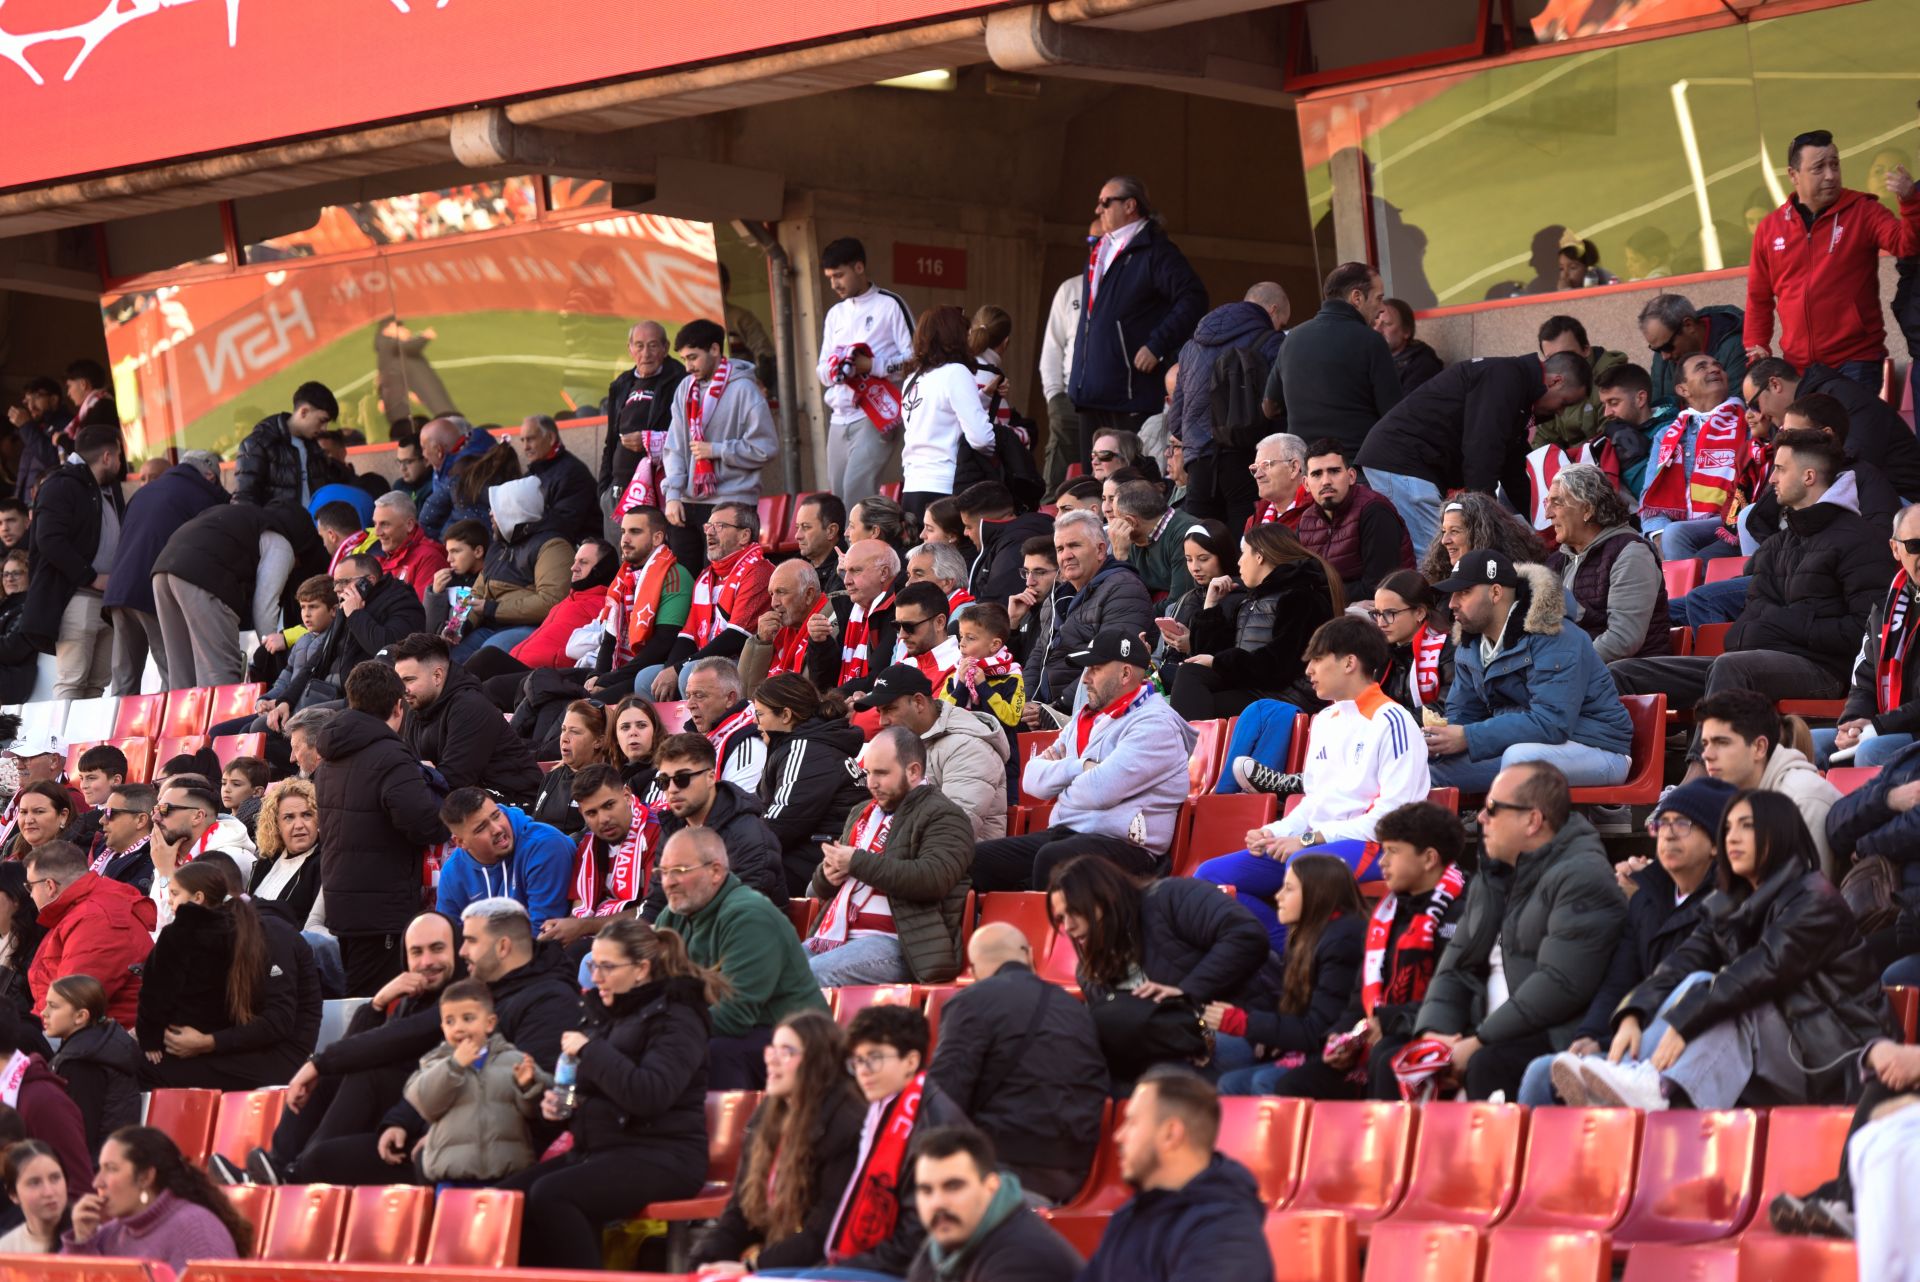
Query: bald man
[[1021, 1058], [871, 573], [447, 443], [639, 408], [798, 633], [1218, 484]]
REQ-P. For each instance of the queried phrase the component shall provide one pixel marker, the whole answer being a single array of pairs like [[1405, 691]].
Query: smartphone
[[1171, 628], [825, 839]]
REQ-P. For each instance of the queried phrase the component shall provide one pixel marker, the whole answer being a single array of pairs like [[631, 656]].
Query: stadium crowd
[[596, 780]]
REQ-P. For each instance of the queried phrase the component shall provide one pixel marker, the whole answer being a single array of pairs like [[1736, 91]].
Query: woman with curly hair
[[1610, 572], [148, 1203], [286, 877], [1471, 521]]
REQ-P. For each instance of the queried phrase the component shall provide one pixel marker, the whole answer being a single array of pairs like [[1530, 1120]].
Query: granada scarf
[[1000, 663], [842, 913], [1721, 454], [790, 644], [629, 866], [1410, 974], [1428, 646], [1084, 723], [703, 468], [871, 1205], [877, 398], [633, 603], [1896, 634], [853, 646], [716, 591]]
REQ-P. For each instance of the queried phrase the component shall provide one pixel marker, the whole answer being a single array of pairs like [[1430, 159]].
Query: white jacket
[[1130, 781], [1366, 757], [879, 318], [1063, 326], [228, 835], [937, 409]]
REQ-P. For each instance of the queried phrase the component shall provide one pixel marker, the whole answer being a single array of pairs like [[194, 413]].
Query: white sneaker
[[1568, 1082], [1611, 1085]]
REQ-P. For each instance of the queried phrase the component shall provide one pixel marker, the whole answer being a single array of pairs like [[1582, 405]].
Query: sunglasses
[[679, 778], [1492, 807], [1911, 545], [1105, 456], [1104, 201]]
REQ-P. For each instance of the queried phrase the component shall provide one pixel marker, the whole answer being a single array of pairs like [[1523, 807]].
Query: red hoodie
[[100, 928], [547, 647], [1824, 280]]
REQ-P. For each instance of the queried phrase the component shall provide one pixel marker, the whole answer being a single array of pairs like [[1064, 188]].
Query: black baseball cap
[[1111, 646], [1475, 568], [897, 682]]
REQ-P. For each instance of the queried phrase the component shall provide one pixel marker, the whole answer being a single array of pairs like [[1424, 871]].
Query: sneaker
[[1611, 821], [1254, 777], [1611, 1085], [1788, 1215], [1568, 1082], [1827, 1217], [224, 1171], [261, 1169]]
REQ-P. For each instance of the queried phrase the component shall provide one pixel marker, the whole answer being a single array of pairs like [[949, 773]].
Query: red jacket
[[547, 647], [416, 562], [1824, 281], [100, 928]]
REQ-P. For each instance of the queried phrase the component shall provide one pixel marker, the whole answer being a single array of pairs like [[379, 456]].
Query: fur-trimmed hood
[[1543, 609]]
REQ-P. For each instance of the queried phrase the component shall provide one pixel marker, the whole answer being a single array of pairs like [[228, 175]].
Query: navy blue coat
[[1214, 1226], [156, 510], [1230, 325], [438, 511], [1149, 297]]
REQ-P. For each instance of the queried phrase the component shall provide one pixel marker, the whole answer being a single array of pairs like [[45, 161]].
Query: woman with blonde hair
[[286, 877]]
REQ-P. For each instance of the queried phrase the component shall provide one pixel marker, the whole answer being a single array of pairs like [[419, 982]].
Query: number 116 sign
[[933, 266]]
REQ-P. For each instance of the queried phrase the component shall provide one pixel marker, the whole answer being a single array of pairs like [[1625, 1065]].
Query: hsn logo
[[256, 343]]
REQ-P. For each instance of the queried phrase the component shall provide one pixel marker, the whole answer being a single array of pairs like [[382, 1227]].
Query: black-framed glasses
[[679, 778], [722, 525], [1911, 545], [1104, 201], [1678, 825], [1388, 616], [1492, 807]]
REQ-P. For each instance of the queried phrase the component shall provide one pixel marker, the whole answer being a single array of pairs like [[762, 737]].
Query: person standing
[[280, 461], [1056, 362], [1414, 360], [721, 435], [858, 453], [76, 532], [155, 511], [1228, 339], [233, 562], [942, 419], [1335, 374], [639, 411]]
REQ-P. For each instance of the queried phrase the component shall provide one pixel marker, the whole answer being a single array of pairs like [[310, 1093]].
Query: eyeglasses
[[679, 779], [1030, 574], [1911, 545], [1104, 201], [1105, 456], [121, 810], [1492, 807], [1388, 616], [871, 1063], [910, 625], [777, 1051], [36, 881], [722, 525], [1677, 825], [607, 968], [680, 870]]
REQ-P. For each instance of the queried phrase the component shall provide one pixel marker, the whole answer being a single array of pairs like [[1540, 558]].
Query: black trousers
[[243, 1071], [1093, 422], [1381, 1081], [370, 961], [1200, 693], [1499, 1067], [1221, 487], [1027, 863], [344, 1104], [916, 503], [1687, 679], [1315, 1080], [352, 1159], [573, 1197], [739, 1063], [689, 541]]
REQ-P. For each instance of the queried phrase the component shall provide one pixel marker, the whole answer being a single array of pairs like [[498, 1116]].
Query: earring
[[145, 1197]]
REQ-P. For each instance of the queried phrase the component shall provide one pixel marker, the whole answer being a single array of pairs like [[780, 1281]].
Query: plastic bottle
[[566, 1072]]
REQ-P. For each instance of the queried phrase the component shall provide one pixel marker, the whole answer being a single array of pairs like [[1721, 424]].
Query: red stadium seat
[[938, 995], [1798, 1259], [673, 715], [477, 1228], [855, 998], [1649, 756], [255, 1204], [77, 750], [227, 747], [1683, 576], [387, 1224], [1082, 1229], [1265, 1134], [139, 716], [1564, 1255], [1812, 709], [1466, 1163], [186, 1117], [1668, 1262], [1711, 639], [1297, 745], [1722, 568], [1680, 641], [1697, 1178], [1427, 1252], [166, 747], [1803, 1150], [800, 913], [228, 702], [186, 712], [1356, 1159], [1847, 778], [306, 1224], [1448, 799], [1105, 1189], [1313, 1246], [1906, 1011], [728, 1113], [246, 1122], [776, 511], [1218, 824], [893, 489], [1061, 960], [1023, 909], [1203, 767], [1032, 744], [1578, 1170], [139, 755]]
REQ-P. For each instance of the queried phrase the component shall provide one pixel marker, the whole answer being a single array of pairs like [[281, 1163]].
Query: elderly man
[[717, 703], [1279, 471], [869, 632], [448, 443], [798, 633], [944, 565], [731, 927], [155, 511], [966, 751], [303, 737], [1108, 596], [567, 483], [892, 890], [93, 927], [406, 552], [1149, 535], [639, 409]]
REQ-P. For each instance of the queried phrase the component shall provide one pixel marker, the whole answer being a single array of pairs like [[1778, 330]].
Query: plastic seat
[[336, 1014], [1803, 1150], [1680, 641], [1564, 1255], [255, 1204], [1812, 709], [673, 715], [139, 755], [1105, 1189], [90, 718], [1711, 639], [1906, 1011], [800, 913], [1313, 1246], [892, 489], [775, 513], [186, 711], [855, 998], [167, 747], [227, 702], [937, 998], [306, 1224], [1448, 799], [1082, 1229], [1424, 1253], [1578, 1169], [187, 1117], [1061, 960], [139, 716], [728, 1113], [77, 750], [1466, 1163], [246, 1122], [1697, 1178], [1356, 1159], [387, 1224], [1645, 776], [1218, 825], [227, 747], [1032, 744], [1722, 568], [476, 1228], [1683, 576], [1265, 1134], [1668, 1262], [1798, 1259], [1847, 778], [1203, 767], [1024, 909], [1297, 745]]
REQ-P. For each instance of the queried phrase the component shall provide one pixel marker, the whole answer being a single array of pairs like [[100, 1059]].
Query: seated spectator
[[1116, 774], [1741, 743], [1701, 468], [987, 678], [43, 812], [501, 852], [1543, 915], [1609, 572], [1861, 484], [868, 634], [1876, 434], [812, 780], [474, 1096], [1421, 660], [94, 927], [150, 1204], [644, 608], [747, 937], [800, 1151], [1413, 359], [1114, 448], [341, 523], [694, 797], [1211, 556], [1365, 757], [1260, 1050], [1167, 940], [243, 782], [1526, 686], [977, 1226], [1022, 1060], [718, 707], [966, 751], [891, 902], [528, 569], [568, 484], [1186, 1192], [452, 727], [1578, 423], [187, 824], [788, 638], [1290, 592], [1000, 530], [920, 614], [43, 1107], [1471, 522], [120, 851], [1350, 527], [729, 596], [880, 518], [307, 676], [945, 566], [1881, 715], [1080, 493], [286, 878], [98, 1059], [1147, 534], [1279, 470], [466, 543], [820, 528], [406, 552], [571, 634], [632, 731], [1770, 1000], [35, 1183], [614, 861], [1877, 819], [1664, 908], [20, 936], [1633, 419], [1034, 614], [583, 740], [1108, 596], [102, 768], [638, 1108]]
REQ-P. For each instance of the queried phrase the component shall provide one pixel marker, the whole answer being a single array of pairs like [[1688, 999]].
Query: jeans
[[326, 956], [1417, 501], [1904, 973], [1869, 374], [507, 638], [643, 683], [1687, 540], [1263, 731], [1583, 766], [1877, 751], [1536, 1086], [1719, 602], [870, 959], [1256, 879]]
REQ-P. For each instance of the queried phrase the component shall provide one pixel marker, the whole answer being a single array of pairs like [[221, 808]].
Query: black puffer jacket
[[390, 611], [1791, 941], [102, 1066], [377, 816], [1270, 632], [643, 1071], [219, 552], [267, 465], [1336, 961], [470, 743], [554, 806], [63, 538], [573, 504], [1202, 942], [19, 657], [1875, 430], [1655, 927], [1812, 586], [998, 571], [811, 783], [753, 852]]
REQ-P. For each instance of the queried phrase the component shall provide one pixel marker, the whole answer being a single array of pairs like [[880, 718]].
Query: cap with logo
[[897, 682], [1111, 646], [37, 743], [1484, 567]]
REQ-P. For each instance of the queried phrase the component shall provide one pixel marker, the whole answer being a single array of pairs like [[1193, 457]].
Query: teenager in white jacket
[[940, 406], [857, 454]]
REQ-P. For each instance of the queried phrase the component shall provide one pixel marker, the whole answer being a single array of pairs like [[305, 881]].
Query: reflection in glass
[[396, 220]]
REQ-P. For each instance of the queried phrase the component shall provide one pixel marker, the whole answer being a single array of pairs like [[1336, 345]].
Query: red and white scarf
[[13, 1077], [877, 397], [871, 1205], [633, 603], [937, 664], [1000, 663], [726, 730], [1721, 454], [717, 591], [108, 854], [629, 866], [1083, 724], [853, 645], [1265, 513], [703, 469], [841, 916], [1428, 645], [790, 644], [80, 413], [1422, 934], [1896, 634], [1545, 463]]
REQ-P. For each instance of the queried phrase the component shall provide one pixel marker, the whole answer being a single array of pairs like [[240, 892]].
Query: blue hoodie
[[539, 873], [1230, 325], [438, 511], [1212, 1227]]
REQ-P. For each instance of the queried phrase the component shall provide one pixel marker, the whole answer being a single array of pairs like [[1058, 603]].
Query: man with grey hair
[[303, 734], [1279, 471], [639, 409], [1108, 596], [944, 565], [156, 510], [406, 553], [448, 444], [1609, 571], [787, 639], [717, 702], [572, 505], [1675, 329], [1147, 534], [1242, 341]]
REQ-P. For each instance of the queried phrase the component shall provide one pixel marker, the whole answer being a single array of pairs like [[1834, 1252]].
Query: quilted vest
[[1338, 538]]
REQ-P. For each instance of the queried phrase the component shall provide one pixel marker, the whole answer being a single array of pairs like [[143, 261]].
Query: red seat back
[[1666, 1262], [167, 747], [229, 746], [1722, 568], [186, 711], [855, 998], [255, 1204], [186, 1117], [227, 702], [1265, 1134], [728, 1113], [139, 754], [1847, 778], [1906, 1010], [246, 1122], [774, 511], [1297, 745], [1313, 1246], [800, 913], [1061, 961], [387, 1224], [1466, 1163], [938, 995], [1564, 1255], [1203, 767], [138, 716], [1106, 1189], [1024, 909], [1219, 826], [1648, 713], [1804, 1146], [1697, 1178], [1578, 1169], [476, 1228], [1682, 576], [673, 715], [1356, 1158], [1711, 639], [1032, 744], [1082, 1229], [1423, 1252], [306, 1224], [75, 751], [1798, 1259]]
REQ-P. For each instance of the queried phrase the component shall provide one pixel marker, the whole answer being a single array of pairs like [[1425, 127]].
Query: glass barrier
[[397, 220]]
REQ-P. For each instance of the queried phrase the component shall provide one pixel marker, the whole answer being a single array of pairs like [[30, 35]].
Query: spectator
[[93, 927], [1349, 526], [966, 751], [583, 742], [941, 522], [501, 852], [870, 634], [43, 1108], [280, 460], [406, 552], [120, 853], [1032, 611], [611, 872], [528, 570], [19, 653], [416, 478], [1414, 362], [800, 1151], [242, 782], [565, 482], [977, 1227], [718, 708], [945, 566], [40, 419], [632, 733], [1337, 373], [1235, 345], [1290, 592], [1579, 423], [695, 798], [1675, 331], [785, 640], [1079, 493], [101, 769], [1186, 1192], [341, 529], [1526, 687], [1881, 715], [571, 634], [1874, 431], [878, 319], [469, 1091], [149, 1204], [1805, 265], [1108, 596], [1366, 759], [43, 812], [920, 621], [639, 410], [155, 511], [940, 411], [451, 726], [34, 1181], [729, 596], [466, 543], [1141, 301], [377, 813], [644, 606], [1056, 364], [1547, 904], [91, 390], [1210, 554], [987, 679], [1421, 654], [1117, 775], [76, 535], [449, 444], [1264, 1051], [819, 530], [812, 779], [877, 517], [1702, 467], [1146, 534], [1664, 909], [1609, 572], [364, 610], [995, 525], [286, 878], [730, 928], [722, 434], [639, 1125], [1472, 522], [1279, 472], [234, 566], [1632, 420], [1860, 485], [891, 903]]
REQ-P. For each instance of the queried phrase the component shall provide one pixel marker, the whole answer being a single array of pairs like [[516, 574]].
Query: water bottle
[[566, 1072]]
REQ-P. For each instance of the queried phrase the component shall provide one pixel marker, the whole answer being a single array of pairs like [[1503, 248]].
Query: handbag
[[1135, 1034], [1872, 891]]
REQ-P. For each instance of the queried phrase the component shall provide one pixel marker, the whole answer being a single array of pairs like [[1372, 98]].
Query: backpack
[[1239, 384]]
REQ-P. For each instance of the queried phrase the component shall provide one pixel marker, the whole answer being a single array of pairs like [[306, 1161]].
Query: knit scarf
[[838, 918], [1721, 453], [1428, 645], [703, 469], [630, 865], [871, 1205], [1410, 974], [716, 591], [644, 489], [790, 644], [725, 731], [853, 646], [1000, 663], [1896, 634], [877, 398], [633, 603], [108, 854], [352, 547]]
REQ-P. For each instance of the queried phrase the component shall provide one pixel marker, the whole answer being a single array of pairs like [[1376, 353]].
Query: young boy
[[317, 607], [242, 784], [102, 769], [987, 678], [447, 601], [471, 1096]]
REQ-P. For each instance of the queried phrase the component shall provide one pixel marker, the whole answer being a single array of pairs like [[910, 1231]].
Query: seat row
[[382, 1224]]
